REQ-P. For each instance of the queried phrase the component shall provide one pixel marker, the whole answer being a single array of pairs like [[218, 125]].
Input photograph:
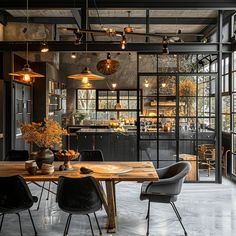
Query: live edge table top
[[115, 171]]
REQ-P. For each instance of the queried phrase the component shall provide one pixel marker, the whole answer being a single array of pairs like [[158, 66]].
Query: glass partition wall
[[178, 117]]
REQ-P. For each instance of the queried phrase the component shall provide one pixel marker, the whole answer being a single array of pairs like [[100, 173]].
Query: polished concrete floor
[[206, 209]]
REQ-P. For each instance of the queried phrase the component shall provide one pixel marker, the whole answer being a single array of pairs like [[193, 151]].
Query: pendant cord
[[86, 26], [27, 27], [99, 18]]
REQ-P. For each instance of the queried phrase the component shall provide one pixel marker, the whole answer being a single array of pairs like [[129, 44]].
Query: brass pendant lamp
[[27, 74], [108, 66], [86, 75]]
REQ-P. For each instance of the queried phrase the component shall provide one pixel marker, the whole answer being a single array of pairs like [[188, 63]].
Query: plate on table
[[110, 169]]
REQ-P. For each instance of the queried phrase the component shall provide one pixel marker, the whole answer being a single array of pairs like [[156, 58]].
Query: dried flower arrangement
[[44, 134]]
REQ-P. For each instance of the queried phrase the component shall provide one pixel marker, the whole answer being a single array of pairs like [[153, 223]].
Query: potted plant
[[45, 135]]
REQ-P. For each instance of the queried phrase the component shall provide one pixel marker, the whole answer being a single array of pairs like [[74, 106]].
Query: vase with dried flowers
[[45, 135]]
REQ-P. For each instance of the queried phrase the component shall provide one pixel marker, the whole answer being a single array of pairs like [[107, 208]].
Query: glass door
[[178, 118]]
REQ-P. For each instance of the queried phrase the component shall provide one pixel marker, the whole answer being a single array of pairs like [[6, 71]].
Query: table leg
[[112, 224]]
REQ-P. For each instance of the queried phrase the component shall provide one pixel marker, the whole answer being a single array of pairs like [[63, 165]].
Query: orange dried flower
[[44, 134]]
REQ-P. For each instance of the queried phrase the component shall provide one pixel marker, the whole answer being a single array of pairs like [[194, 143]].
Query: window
[[86, 103], [100, 104]]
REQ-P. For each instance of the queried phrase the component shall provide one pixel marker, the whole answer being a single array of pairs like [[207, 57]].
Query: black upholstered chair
[[79, 196], [15, 197], [167, 189], [23, 155], [91, 155]]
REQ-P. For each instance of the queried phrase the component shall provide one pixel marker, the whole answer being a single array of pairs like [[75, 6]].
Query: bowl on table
[[47, 169], [67, 156]]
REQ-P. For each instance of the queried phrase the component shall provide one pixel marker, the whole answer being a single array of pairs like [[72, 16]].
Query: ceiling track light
[[78, 36], [123, 42], [44, 47], [165, 49]]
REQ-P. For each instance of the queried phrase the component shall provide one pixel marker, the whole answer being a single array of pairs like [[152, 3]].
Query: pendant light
[[108, 66], [86, 75], [128, 29], [27, 74]]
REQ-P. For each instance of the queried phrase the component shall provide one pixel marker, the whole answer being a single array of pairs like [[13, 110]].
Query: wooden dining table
[[109, 172]]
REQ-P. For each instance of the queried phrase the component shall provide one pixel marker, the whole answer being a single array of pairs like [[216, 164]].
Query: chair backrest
[[91, 155], [78, 195], [17, 155], [175, 175], [14, 194]]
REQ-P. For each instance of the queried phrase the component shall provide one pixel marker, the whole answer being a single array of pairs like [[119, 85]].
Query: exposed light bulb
[[123, 42], [146, 84], [26, 78], [114, 85], [85, 80], [73, 55], [44, 47], [163, 85]]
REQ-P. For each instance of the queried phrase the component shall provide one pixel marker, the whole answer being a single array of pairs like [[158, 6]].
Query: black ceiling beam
[[76, 17], [123, 4], [119, 20], [68, 46], [153, 20], [44, 20], [147, 20], [210, 29]]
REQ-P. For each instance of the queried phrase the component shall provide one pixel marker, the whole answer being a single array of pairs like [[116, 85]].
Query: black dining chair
[[15, 197], [91, 155], [23, 155], [79, 196], [167, 188]]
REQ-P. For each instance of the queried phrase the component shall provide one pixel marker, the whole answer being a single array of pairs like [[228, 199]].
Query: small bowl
[[30, 163], [32, 170], [47, 169]]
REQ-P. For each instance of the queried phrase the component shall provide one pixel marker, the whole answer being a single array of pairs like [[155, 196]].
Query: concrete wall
[[125, 77]]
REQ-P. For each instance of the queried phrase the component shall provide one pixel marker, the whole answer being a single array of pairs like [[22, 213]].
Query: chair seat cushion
[[157, 196]]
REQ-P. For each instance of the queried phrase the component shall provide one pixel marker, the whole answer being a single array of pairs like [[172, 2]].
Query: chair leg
[[100, 231], [20, 224], [176, 211], [178, 216], [32, 221], [2, 222], [67, 225], [148, 210], [90, 225], [49, 187], [148, 218], [41, 194]]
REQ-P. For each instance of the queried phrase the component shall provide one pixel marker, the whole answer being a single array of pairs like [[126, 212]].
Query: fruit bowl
[[67, 156]]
